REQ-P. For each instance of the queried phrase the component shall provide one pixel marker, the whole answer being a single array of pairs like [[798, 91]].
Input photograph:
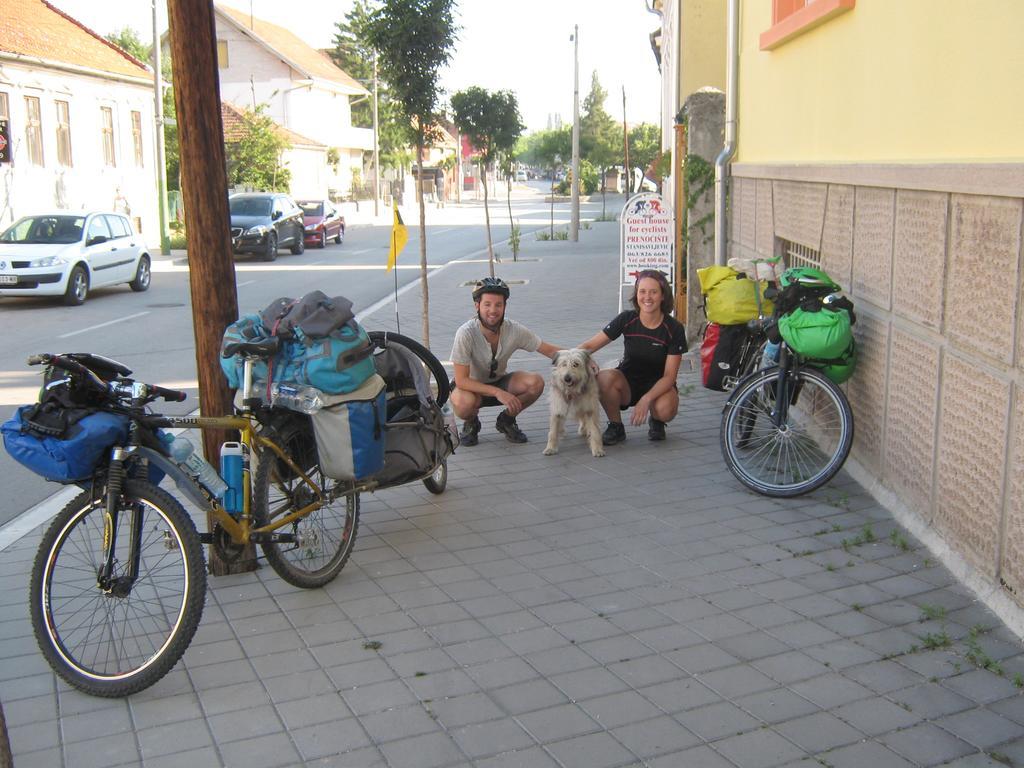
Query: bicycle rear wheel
[[324, 538], [801, 454], [120, 641]]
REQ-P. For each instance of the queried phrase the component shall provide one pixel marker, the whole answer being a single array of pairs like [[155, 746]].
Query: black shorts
[[638, 387], [487, 401]]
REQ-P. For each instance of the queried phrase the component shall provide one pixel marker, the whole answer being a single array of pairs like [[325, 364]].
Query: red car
[[322, 222]]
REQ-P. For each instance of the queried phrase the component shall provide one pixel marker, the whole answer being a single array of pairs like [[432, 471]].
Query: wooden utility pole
[[204, 188]]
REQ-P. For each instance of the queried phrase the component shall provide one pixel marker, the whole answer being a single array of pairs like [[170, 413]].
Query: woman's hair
[[667, 301]]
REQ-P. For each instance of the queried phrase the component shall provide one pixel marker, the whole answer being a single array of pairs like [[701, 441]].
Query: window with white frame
[[137, 137], [33, 130], [63, 133], [107, 130]]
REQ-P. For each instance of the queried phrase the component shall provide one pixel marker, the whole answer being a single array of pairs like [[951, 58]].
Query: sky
[[523, 46]]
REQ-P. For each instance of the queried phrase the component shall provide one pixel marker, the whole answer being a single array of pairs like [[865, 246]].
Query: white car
[[67, 254], [520, 175]]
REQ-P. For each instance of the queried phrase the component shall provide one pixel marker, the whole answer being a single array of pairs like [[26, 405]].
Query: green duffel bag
[[821, 335], [840, 369]]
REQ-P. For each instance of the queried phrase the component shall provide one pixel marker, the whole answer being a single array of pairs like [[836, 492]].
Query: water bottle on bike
[[184, 453]]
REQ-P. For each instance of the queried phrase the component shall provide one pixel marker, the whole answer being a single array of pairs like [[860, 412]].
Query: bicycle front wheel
[[118, 641], [801, 453], [323, 539]]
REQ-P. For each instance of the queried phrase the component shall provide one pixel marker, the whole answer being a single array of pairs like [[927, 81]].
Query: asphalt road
[[152, 332]]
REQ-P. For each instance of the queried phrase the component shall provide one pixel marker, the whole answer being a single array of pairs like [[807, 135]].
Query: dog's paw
[[598, 453], [549, 451]]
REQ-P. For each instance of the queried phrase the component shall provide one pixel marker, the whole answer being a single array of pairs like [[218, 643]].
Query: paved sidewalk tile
[[641, 609]]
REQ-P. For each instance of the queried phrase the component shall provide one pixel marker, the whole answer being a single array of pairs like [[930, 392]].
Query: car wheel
[[78, 287], [340, 237], [143, 275], [323, 239], [299, 246], [270, 252]]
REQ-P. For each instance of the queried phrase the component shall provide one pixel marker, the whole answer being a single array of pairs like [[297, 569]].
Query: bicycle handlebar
[[73, 366]]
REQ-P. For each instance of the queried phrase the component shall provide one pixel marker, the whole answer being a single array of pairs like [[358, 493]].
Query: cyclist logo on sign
[[646, 208]]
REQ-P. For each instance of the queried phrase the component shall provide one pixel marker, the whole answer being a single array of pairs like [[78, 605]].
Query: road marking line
[[32, 518], [102, 325], [242, 285]]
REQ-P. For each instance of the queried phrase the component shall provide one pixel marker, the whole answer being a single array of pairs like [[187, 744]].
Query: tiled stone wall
[[873, 223], [911, 424], [1013, 548], [837, 237], [866, 389], [919, 264], [938, 396], [984, 254], [972, 451]]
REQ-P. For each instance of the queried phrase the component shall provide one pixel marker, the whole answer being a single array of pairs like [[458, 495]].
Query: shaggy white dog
[[574, 388]]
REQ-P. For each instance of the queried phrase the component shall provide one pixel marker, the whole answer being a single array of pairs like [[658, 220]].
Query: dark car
[[322, 221], [262, 222]]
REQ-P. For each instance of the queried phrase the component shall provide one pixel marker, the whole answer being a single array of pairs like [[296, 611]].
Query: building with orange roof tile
[[304, 92], [77, 116]]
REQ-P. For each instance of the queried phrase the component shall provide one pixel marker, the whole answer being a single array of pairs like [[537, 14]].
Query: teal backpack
[[323, 346]]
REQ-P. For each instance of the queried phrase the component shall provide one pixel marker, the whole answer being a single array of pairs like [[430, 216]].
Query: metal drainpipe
[[721, 162]]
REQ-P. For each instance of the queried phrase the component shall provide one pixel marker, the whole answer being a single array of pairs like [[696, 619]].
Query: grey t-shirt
[[472, 349]]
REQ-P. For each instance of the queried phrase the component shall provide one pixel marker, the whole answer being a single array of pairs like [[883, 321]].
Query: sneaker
[[470, 432], [614, 434], [656, 430], [507, 426]]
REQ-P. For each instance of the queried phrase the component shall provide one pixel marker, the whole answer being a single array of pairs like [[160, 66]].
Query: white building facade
[[263, 64], [79, 137]]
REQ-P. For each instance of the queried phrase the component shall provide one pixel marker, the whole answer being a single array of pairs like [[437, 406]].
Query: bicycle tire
[[116, 646], [382, 338], [803, 454], [438, 481], [325, 537]]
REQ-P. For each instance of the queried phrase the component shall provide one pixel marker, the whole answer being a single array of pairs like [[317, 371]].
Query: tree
[[128, 40], [255, 159], [547, 149], [492, 123], [644, 147], [599, 133], [414, 40]]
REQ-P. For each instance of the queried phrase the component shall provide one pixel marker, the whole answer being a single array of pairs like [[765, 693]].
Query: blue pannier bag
[[349, 432], [70, 458]]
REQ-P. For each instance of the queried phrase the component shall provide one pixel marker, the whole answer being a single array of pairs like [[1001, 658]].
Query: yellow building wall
[[919, 81], [702, 46]]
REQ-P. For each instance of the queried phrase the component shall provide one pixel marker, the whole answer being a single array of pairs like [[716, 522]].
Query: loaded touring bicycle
[[118, 584]]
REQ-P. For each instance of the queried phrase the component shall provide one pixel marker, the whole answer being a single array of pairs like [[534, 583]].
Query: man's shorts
[[487, 401], [638, 387]]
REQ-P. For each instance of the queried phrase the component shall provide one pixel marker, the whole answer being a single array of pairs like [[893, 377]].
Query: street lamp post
[[376, 146], [161, 165], [575, 226]]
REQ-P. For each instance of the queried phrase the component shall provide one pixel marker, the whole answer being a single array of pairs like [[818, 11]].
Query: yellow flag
[[399, 237]]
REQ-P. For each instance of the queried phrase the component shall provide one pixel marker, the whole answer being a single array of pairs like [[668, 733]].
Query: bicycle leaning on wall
[[787, 429]]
